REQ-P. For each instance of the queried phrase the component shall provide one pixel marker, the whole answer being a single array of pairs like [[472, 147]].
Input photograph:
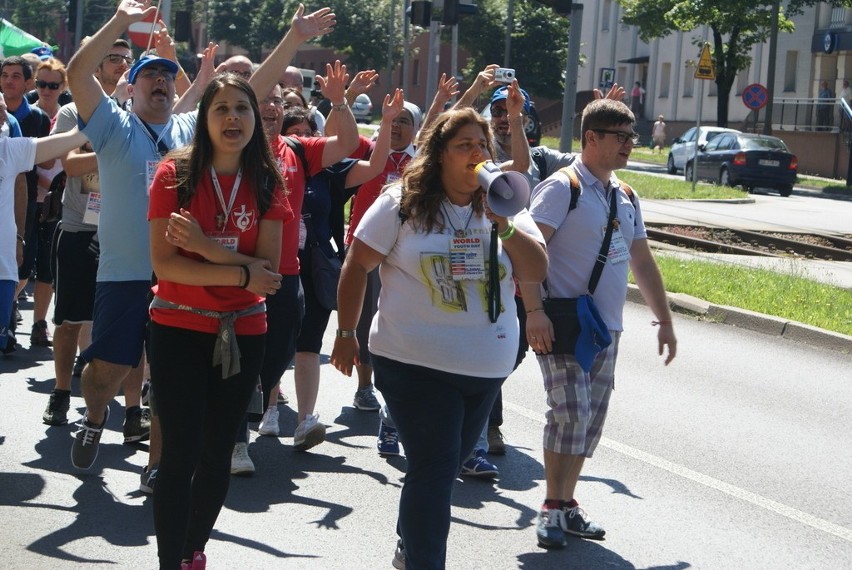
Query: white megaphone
[[507, 193]]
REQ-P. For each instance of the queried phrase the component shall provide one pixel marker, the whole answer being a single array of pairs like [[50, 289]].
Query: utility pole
[[770, 74], [569, 100]]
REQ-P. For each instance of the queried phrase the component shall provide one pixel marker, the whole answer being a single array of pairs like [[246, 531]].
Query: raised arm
[[520, 146], [302, 28], [192, 95], [484, 80], [448, 87], [344, 143], [361, 83], [87, 91], [165, 46], [367, 170]]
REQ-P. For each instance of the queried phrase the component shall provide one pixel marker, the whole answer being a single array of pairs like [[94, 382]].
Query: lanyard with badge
[[227, 239], [394, 176], [467, 256], [162, 149]]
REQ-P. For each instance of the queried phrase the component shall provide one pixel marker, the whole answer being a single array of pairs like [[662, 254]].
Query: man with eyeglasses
[[76, 252], [128, 147], [578, 399]]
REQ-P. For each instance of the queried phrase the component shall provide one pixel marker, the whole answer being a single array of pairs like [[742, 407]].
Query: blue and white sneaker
[[478, 466], [388, 442]]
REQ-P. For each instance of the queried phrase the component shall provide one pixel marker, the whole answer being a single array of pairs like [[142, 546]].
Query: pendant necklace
[[458, 232], [222, 217]]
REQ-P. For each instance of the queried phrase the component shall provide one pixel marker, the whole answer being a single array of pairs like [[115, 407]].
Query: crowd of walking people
[[189, 262]]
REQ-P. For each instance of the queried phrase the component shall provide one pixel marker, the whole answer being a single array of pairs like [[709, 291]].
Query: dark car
[[747, 160]]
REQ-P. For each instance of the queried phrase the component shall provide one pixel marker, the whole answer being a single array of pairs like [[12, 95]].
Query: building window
[[665, 79], [713, 90], [688, 79], [742, 80], [606, 16], [415, 72], [790, 70]]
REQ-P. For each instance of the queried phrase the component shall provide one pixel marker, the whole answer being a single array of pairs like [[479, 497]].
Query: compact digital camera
[[504, 75]]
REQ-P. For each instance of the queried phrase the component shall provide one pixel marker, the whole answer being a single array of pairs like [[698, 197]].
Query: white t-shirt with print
[[16, 155], [427, 318]]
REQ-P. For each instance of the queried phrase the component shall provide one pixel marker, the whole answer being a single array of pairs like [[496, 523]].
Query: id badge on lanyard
[[467, 258]]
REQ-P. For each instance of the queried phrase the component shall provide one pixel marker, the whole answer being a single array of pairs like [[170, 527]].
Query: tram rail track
[[745, 242]]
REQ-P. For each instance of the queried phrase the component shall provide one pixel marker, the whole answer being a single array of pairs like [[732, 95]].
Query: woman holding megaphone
[[446, 332]]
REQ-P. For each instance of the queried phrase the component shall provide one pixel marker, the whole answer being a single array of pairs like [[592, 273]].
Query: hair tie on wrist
[[246, 276]]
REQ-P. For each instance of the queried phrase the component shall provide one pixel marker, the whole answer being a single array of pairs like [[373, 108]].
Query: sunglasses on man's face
[[49, 84]]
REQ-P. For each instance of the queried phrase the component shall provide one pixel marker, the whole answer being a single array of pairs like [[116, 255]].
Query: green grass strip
[[789, 296]]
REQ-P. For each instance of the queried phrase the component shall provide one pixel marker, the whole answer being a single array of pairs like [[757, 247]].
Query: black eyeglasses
[[49, 84], [117, 58], [498, 112], [621, 136]]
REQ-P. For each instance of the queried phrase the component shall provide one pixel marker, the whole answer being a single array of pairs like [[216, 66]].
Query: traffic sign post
[[755, 97], [705, 68]]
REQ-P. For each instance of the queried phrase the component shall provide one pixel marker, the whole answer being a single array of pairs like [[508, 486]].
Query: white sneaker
[[241, 463], [309, 433], [269, 423]]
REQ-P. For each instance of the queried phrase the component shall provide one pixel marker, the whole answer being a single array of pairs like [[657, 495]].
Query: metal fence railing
[[807, 114]]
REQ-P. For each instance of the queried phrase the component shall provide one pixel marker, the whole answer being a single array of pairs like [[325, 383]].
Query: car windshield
[[763, 143]]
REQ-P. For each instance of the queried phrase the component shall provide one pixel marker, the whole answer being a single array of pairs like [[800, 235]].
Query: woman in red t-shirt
[[216, 210]]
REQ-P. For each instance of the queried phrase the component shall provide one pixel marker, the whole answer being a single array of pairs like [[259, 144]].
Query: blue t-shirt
[[127, 159]]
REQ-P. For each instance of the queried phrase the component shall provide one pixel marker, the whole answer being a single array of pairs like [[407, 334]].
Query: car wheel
[[670, 165], [687, 172], [724, 177], [785, 191]]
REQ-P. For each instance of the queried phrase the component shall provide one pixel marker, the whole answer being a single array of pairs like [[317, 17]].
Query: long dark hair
[[193, 161], [423, 191]]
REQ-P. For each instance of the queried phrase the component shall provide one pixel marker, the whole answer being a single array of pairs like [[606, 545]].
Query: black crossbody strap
[[603, 254], [494, 301]]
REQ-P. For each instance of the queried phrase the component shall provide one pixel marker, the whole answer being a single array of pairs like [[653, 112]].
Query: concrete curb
[[767, 324]]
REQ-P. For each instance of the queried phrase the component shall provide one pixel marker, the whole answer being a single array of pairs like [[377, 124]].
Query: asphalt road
[[734, 456]]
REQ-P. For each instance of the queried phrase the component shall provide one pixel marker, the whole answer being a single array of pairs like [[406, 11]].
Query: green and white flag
[[15, 41]]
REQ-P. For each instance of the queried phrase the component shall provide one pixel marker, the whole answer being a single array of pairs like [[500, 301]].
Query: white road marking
[[706, 480]]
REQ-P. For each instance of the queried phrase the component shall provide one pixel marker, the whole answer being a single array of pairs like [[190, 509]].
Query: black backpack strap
[[297, 148]]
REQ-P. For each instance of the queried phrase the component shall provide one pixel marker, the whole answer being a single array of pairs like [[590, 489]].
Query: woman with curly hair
[[440, 345]]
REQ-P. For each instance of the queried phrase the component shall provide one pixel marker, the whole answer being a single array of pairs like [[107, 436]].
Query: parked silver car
[[683, 147], [362, 108]]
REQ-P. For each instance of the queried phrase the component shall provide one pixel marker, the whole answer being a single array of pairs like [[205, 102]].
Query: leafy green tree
[[40, 18], [734, 26], [539, 44]]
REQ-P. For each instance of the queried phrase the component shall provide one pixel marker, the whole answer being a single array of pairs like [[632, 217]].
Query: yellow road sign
[[705, 69]]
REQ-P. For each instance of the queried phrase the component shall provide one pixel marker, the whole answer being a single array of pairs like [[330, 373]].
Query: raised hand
[[448, 87], [164, 44], [515, 100], [333, 85], [362, 82], [133, 11], [206, 70], [393, 105], [312, 25]]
